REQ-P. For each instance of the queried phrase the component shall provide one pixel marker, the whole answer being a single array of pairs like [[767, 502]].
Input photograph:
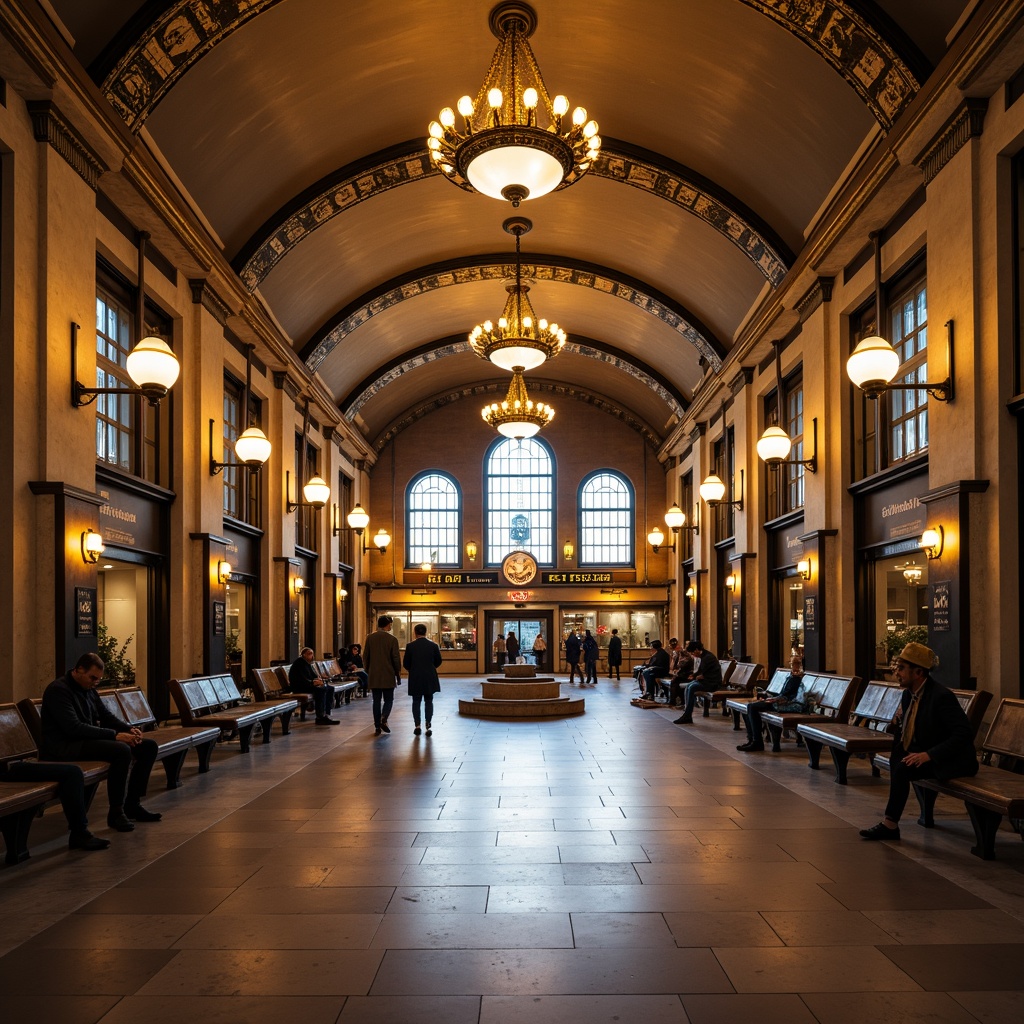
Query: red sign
[[520, 595]]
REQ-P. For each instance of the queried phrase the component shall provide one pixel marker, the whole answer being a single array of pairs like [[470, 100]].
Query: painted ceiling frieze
[[565, 391], [344, 190], [536, 268], [454, 348], [843, 34], [177, 38]]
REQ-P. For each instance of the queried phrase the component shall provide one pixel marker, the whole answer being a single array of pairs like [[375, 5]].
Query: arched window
[[519, 486], [606, 530], [433, 508]]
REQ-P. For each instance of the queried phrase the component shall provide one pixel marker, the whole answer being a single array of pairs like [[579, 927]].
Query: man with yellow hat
[[935, 739]]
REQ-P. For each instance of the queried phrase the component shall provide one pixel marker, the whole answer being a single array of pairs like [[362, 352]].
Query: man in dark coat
[[420, 660], [706, 675], [572, 655], [615, 654], [591, 653], [383, 661], [935, 741], [76, 726], [303, 678]]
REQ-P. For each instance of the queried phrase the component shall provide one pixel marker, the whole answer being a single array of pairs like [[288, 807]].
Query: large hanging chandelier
[[518, 416], [519, 338], [513, 144]]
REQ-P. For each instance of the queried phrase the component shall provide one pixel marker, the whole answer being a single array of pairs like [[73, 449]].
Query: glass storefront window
[[609, 620], [637, 628], [901, 605], [451, 629]]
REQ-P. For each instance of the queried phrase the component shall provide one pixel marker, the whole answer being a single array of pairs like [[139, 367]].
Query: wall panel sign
[[85, 611], [218, 618], [520, 595], [941, 593], [243, 553], [456, 578], [787, 548], [129, 520], [810, 614], [896, 513], [583, 578]]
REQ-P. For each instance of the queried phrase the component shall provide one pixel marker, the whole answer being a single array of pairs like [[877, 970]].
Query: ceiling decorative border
[[479, 390], [370, 388], [498, 268], [409, 162]]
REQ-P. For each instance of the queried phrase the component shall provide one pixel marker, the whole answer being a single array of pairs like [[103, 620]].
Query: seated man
[[351, 662], [76, 726], [935, 740], [706, 675], [303, 678], [790, 698], [680, 679], [657, 667]]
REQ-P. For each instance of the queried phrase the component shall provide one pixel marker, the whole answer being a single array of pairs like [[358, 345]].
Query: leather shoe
[[376, 730], [417, 731], [880, 831], [118, 821], [684, 720], [753, 748], [139, 813], [87, 841], [384, 726], [744, 746], [326, 720]]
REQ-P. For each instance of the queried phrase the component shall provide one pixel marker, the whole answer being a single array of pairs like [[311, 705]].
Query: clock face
[[519, 568], [519, 529]]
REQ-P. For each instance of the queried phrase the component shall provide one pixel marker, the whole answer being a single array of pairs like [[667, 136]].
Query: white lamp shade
[[92, 545], [358, 518], [526, 357], [774, 445], [675, 518], [317, 492], [381, 539], [517, 430], [496, 169], [874, 360], [252, 447], [152, 363], [713, 489], [656, 538]]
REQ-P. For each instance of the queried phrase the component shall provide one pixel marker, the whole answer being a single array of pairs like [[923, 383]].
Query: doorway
[[526, 627]]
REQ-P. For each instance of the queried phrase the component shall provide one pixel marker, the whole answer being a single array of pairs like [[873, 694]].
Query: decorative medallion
[[519, 568]]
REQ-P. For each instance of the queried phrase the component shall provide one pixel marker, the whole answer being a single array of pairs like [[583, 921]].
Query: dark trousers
[[323, 700], [70, 786], [692, 689], [591, 670], [382, 702], [755, 730], [574, 667], [614, 669], [363, 680], [900, 778], [428, 707], [129, 768]]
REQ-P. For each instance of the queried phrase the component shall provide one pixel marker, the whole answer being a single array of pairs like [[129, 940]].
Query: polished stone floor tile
[[613, 1009], [117, 931], [300, 900], [829, 928], [954, 967], [749, 874], [921, 927], [281, 931], [226, 1009], [439, 899], [698, 853], [890, 1008], [411, 1010], [629, 931], [737, 1008], [157, 901], [991, 1007], [919, 895], [90, 972], [474, 931], [57, 1009], [721, 928]]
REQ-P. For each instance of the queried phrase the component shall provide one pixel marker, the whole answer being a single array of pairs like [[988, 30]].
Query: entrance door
[[526, 628]]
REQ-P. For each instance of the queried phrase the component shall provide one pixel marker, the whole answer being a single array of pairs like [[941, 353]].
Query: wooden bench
[[22, 802], [997, 791], [738, 705], [344, 686], [738, 681], [829, 697], [867, 732], [173, 741], [215, 701], [266, 685]]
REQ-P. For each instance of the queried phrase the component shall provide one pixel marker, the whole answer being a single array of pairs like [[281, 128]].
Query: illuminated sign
[[520, 595]]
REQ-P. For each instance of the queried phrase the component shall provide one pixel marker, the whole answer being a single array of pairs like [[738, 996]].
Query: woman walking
[[539, 647], [421, 659]]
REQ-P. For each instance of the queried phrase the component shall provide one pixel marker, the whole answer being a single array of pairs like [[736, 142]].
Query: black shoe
[[384, 726], [87, 841], [754, 748], [326, 720], [684, 720], [376, 730], [118, 821], [139, 813], [417, 731], [880, 831], [428, 729], [745, 746]]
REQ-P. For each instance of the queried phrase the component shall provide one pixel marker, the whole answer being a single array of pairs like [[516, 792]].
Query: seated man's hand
[[132, 738]]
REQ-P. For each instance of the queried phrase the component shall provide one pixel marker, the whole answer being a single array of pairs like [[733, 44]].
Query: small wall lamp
[[223, 571], [656, 538], [875, 362], [675, 520], [424, 566], [691, 592], [775, 445], [92, 547], [151, 365], [381, 540], [471, 550], [932, 541], [342, 593], [803, 568], [568, 550], [713, 492], [251, 448], [315, 494], [298, 585], [730, 581]]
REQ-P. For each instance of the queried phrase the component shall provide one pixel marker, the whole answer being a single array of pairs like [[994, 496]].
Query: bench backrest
[[266, 685], [282, 677], [1006, 733], [31, 709], [837, 698], [135, 709], [877, 706], [975, 703], [727, 671], [777, 681], [108, 698], [15, 740], [204, 694], [744, 675]]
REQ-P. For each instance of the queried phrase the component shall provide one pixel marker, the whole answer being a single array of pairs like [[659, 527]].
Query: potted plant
[[118, 668], [893, 641]]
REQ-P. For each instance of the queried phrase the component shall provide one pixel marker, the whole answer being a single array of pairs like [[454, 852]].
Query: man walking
[[303, 678], [572, 655], [421, 659], [383, 664]]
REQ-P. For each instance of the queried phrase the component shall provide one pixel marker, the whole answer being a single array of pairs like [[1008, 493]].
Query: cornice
[[49, 125], [967, 123]]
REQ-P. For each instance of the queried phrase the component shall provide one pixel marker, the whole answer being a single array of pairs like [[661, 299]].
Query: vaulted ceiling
[[296, 129]]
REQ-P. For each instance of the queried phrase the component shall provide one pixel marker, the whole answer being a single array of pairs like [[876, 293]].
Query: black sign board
[[811, 614], [940, 606], [218, 618], [85, 611]]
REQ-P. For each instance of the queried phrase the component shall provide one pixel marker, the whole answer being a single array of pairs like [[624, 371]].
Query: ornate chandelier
[[513, 144], [518, 416], [519, 339], [912, 574]]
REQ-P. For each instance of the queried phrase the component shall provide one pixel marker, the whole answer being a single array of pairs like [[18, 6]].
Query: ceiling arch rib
[[497, 267], [853, 36], [455, 345], [409, 162], [567, 391]]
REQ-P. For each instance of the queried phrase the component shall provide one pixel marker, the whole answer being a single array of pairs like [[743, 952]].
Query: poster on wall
[[810, 614], [940, 606], [85, 611], [218, 618]]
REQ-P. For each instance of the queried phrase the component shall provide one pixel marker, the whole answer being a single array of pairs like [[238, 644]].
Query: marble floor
[[607, 867]]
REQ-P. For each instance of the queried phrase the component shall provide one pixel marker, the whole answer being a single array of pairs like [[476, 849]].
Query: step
[[526, 689], [557, 708]]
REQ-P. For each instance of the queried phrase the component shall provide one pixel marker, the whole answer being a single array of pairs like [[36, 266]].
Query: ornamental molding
[[967, 123], [49, 125]]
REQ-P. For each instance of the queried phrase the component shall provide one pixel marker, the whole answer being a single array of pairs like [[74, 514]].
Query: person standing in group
[[499, 650], [572, 655], [615, 655], [76, 726], [383, 664], [303, 678], [512, 648], [590, 653], [539, 649], [421, 659]]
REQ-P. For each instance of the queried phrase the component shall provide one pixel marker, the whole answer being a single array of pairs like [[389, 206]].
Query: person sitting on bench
[[789, 698], [303, 678], [706, 675], [935, 738], [76, 726]]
